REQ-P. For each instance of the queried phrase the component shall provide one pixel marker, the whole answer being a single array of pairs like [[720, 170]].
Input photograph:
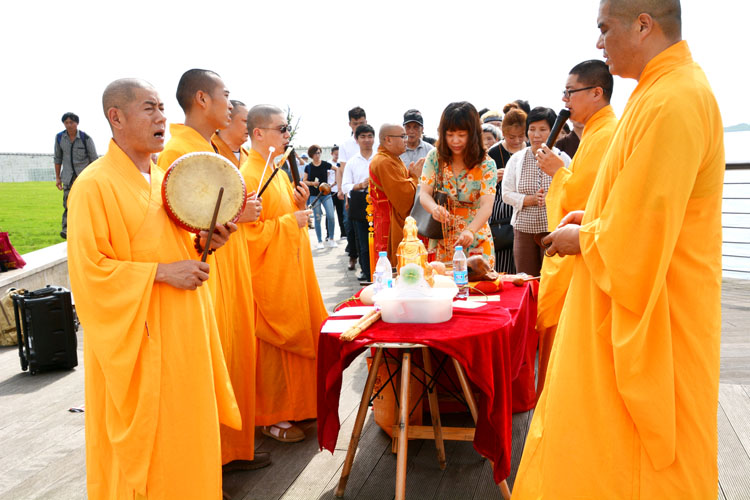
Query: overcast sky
[[322, 58]]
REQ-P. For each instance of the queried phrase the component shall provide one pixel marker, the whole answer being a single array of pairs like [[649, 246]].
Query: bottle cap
[[382, 254], [459, 247]]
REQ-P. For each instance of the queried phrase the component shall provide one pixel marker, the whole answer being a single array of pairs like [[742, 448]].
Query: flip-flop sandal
[[291, 434]]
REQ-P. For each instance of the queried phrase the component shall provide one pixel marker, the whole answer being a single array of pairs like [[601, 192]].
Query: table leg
[[403, 431], [467, 389], [434, 409], [504, 490], [359, 422]]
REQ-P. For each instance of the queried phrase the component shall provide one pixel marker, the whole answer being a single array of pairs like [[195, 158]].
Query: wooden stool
[[402, 430]]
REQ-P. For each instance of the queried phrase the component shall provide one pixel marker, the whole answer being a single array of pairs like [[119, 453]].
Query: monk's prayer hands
[[548, 161], [562, 241], [415, 168], [183, 274], [540, 196], [574, 217], [220, 236], [303, 217], [253, 207], [301, 195]]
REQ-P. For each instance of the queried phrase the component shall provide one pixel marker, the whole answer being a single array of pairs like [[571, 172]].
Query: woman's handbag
[[502, 234], [426, 225]]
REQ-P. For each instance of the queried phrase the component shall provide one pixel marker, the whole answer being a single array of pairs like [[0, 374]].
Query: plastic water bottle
[[460, 273], [383, 276]]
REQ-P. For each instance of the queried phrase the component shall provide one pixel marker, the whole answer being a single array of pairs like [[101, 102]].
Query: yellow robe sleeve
[[642, 214]]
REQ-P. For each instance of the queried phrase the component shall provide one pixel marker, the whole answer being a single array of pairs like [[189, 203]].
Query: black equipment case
[[46, 329]]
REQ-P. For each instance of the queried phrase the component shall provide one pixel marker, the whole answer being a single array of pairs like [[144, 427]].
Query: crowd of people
[[183, 358]]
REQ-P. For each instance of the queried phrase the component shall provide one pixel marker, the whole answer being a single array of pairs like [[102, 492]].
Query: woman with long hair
[[460, 167]]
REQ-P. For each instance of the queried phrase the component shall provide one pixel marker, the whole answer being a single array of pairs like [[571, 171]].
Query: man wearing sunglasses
[[289, 307], [204, 98]]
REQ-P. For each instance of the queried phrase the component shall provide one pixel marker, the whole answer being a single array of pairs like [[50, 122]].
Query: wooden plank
[[486, 487], [449, 433], [381, 483], [462, 475], [521, 424], [733, 460], [736, 404]]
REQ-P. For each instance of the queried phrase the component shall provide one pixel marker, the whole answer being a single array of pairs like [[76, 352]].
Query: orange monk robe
[[289, 308], [231, 289], [568, 191], [156, 382], [392, 193], [224, 150], [629, 407]]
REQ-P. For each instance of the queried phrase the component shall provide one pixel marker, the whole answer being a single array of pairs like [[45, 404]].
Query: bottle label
[[461, 277]]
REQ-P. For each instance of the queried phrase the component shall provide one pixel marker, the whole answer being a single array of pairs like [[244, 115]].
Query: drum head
[[191, 186]]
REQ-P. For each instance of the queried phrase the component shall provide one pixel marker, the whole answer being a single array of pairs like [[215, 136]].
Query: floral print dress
[[464, 191]]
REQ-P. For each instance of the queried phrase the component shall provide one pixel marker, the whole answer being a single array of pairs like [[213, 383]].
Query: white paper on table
[[354, 311], [465, 304], [484, 298], [337, 325]]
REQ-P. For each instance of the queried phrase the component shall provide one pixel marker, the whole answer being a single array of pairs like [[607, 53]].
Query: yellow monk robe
[[230, 285], [629, 407], [224, 150], [156, 382], [289, 308], [568, 191], [392, 193]]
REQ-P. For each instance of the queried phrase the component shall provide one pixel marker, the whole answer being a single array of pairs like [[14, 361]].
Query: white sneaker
[[320, 246], [331, 243]]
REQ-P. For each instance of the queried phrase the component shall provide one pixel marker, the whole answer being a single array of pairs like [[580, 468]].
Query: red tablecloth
[[492, 344]]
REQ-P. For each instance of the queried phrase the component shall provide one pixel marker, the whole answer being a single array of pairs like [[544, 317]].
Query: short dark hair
[[72, 116], [539, 114], [191, 82], [356, 113], [524, 105], [313, 149], [595, 73], [461, 116], [334, 148], [364, 129]]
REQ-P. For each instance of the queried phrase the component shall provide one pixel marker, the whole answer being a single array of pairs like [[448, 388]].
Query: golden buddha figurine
[[411, 250]]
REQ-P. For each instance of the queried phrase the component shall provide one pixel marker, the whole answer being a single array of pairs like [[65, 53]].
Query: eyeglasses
[[283, 129], [316, 153], [568, 92], [403, 136]]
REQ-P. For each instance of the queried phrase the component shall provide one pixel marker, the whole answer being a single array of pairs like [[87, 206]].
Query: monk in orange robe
[[156, 383], [629, 405], [571, 186], [289, 308], [392, 188], [204, 99], [229, 142]]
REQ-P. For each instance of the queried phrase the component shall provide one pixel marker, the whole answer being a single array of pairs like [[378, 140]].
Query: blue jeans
[[327, 203]]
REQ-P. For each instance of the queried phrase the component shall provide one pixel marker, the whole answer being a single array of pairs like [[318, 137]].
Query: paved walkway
[[43, 444]]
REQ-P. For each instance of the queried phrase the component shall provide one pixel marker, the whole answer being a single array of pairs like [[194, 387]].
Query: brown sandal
[[292, 434]]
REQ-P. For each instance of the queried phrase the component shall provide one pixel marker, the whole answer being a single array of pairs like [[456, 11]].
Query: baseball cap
[[413, 115]]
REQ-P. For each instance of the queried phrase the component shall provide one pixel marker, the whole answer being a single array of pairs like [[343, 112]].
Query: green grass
[[31, 213]]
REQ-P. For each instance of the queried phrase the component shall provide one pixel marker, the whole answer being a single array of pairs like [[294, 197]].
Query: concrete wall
[[48, 266], [26, 167]]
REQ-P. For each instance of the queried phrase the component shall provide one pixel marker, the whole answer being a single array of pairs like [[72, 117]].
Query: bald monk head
[[268, 127], [635, 31], [235, 135], [135, 113], [204, 98], [392, 138]]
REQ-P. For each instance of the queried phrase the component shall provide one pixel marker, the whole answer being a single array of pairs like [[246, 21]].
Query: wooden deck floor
[[43, 455]]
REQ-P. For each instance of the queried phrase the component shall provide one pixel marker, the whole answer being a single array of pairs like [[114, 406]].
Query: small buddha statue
[[411, 250]]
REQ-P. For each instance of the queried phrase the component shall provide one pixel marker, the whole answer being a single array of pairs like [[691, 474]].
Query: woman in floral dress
[[459, 166]]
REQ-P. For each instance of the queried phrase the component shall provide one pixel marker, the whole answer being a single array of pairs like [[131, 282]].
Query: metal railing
[[736, 221]]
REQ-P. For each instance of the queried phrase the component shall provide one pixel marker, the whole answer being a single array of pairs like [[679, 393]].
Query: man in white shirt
[[354, 184]]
